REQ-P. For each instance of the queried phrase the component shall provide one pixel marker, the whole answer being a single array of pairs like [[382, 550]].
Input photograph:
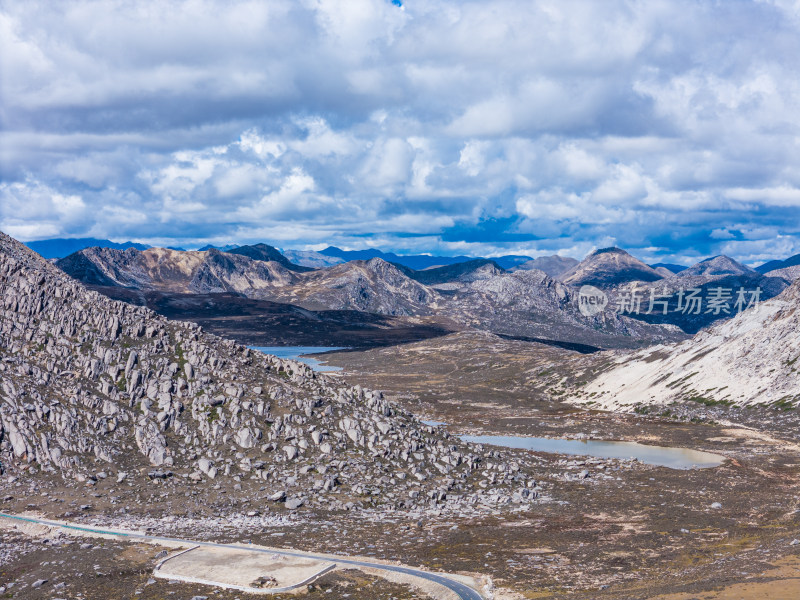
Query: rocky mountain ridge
[[713, 290], [473, 270], [552, 265], [372, 286], [476, 294], [176, 271], [788, 273], [530, 303]]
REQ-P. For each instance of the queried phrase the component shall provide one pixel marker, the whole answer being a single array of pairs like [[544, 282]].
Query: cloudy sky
[[670, 128]]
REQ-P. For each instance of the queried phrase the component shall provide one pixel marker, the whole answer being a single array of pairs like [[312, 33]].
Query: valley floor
[[602, 528]]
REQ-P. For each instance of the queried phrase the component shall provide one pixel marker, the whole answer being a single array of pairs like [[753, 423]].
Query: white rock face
[[205, 465], [17, 443], [151, 443], [245, 438], [751, 359]]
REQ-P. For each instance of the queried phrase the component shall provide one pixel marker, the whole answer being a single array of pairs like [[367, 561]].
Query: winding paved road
[[464, 592]]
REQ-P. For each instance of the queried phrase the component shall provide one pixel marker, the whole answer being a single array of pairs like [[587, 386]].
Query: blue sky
[[669, 128]]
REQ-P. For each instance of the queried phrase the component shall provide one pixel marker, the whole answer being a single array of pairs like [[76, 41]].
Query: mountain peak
[[716, 266], [610, 250], [608, 267]]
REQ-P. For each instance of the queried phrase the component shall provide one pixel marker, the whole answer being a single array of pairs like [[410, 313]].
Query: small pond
[[300, 353], [674, 458]]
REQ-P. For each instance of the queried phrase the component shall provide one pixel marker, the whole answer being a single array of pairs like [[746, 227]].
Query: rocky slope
[[608, 267], [720, 277], [788, 273], [94, 388], [552, 265], [750, 359], [309, 258], [531, 304]]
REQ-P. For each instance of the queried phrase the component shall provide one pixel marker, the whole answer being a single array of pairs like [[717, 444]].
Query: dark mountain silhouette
[[268, 253], [417, 262], [61, 247], [774, 265]]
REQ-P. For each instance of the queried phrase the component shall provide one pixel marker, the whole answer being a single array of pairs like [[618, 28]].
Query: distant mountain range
[[552, 265], [417, 261], [473, 294], [225, 248], [61, 247], [534, 298], [774, 265]]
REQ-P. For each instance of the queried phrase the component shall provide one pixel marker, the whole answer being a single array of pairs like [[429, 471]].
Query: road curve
[[463, 591]]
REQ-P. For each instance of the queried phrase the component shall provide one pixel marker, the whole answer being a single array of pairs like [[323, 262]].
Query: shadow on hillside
[[265, 323]]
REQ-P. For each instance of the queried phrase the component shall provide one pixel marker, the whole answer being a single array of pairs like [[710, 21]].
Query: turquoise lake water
[[300, 353], [674, 458]]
